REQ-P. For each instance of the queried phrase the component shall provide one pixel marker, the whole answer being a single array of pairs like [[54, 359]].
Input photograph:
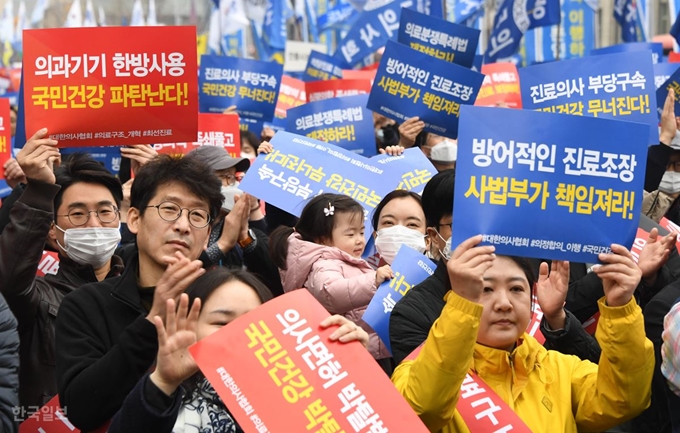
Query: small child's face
[[348, 233]]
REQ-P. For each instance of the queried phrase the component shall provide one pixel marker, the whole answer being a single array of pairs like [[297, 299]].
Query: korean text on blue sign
[[662, 72], [251, 85], [673, 82], [409, 83], [369, 32], [439, 38], [614, 86], [416, 170], [321, 67], [341, 121], [655, 47], [410, 268], [548, 185], [300, 168]]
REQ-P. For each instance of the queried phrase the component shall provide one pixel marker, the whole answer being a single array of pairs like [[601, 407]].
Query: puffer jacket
[[549, 391], [341, 283], [9, 369]]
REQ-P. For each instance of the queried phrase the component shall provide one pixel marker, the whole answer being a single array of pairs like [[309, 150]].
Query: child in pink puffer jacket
[[322, 253]]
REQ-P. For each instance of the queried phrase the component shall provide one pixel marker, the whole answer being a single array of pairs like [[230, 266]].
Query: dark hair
[[193, 174], [526, 267], [204, 286], [397, 193], [80, 167], [438, 197], [251, 138], [313, 225]]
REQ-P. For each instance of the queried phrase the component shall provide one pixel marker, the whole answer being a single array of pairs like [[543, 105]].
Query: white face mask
[[229, 192], [92, 246], [446, 151], [670, 182], [390, 239]]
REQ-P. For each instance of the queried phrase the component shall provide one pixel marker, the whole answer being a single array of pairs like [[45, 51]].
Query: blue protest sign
[[477, 63], [439, 38], [662, 72], [339, 16], [409, 83], [369, 32], [410, 268], [673, 82], [655, 47], [251, 85], [547, 185], [108, 156], [416, 169], [343, 121], [301, 167], [251, 125], [614, 86], [321, 67]]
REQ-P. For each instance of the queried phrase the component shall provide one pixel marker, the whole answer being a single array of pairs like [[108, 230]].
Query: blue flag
[[626, 14], [466, 10], [343, 121], [339, 17], [512, 20], [614, 86], [439, 38], [546, 185], [409, 83], [410, 268], [274, 30], [251, 85], [370, 32]]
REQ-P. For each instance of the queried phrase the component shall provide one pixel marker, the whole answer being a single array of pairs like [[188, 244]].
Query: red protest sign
[[51, 418], [673, 57], [213, 130], [353, 74], [49, 264], [5, 135], [277, 370], [111, 85], [501, 85], [326, 89], [291, 94]]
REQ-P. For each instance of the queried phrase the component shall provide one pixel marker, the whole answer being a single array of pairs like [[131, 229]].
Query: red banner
[[353, 74], [326, 89], [501, 84], [277, 370], [111, 85], [5, 135], [291, 94], [213, 130], [49, 264], [673, 57], [50, 418]]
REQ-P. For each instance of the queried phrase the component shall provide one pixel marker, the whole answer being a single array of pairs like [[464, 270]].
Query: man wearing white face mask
[[84, 230], [237, 240], [442, 151]]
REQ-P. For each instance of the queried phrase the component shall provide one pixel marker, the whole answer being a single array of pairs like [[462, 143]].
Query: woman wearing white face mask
[[399, 220], [442, 151], [662, 177]]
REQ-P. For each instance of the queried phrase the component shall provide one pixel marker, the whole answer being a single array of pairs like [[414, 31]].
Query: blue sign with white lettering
[[439, 38], [546, 185], [251, 85], [612, 86], [321, 66], [655, 47], [343, 121], [410, 268], [409, 83]]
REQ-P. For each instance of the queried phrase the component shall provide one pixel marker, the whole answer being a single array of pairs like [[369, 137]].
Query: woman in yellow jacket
[[482, 330]]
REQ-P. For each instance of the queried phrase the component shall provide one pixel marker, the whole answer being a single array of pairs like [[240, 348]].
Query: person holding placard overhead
[[479, 371]]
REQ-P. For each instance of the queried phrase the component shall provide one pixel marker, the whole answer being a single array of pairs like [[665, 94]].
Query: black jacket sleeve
[[409, 325], [7, 205], [259, 261], [9, 368], [21, 249], [140, 415], [583, 295], [572, 340], [93, 379], [657, 160]]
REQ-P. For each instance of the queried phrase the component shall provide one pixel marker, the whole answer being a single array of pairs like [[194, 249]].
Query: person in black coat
[[9, 368]]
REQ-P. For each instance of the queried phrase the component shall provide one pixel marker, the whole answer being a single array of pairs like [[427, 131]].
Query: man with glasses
[[105, 334], [84, 231]]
